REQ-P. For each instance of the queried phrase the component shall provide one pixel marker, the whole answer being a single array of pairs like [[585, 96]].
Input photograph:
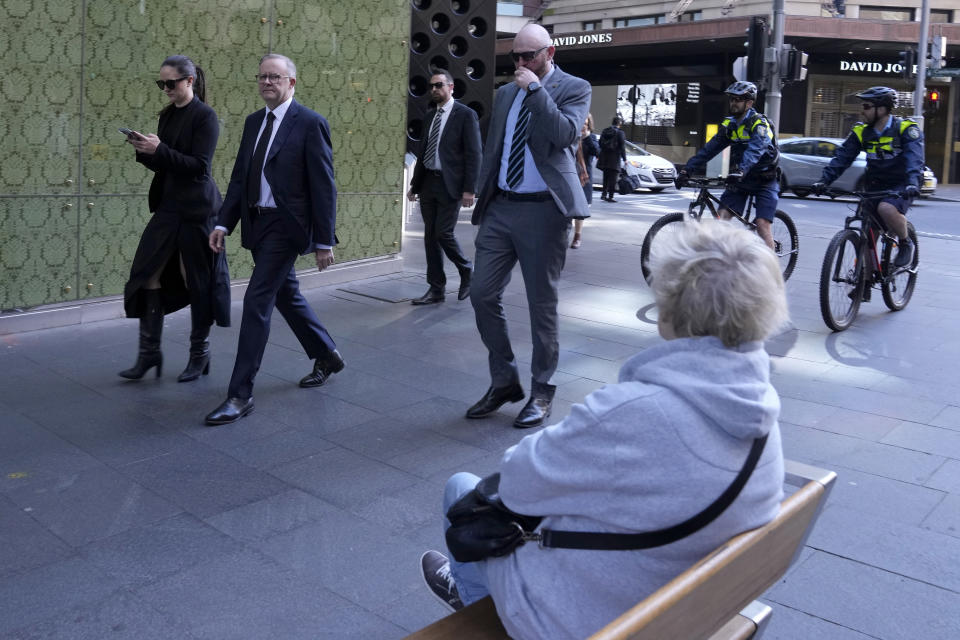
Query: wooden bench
[[714, 599]]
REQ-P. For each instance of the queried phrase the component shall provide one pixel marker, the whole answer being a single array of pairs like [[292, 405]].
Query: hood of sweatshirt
[[731, 386]]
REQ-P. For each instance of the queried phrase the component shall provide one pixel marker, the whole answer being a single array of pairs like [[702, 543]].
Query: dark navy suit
[[299, 170]]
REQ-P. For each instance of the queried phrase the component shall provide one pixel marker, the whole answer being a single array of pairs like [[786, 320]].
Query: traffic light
[[796, 65], [933, 99], [938, 52], [757, 40], [908, 59]]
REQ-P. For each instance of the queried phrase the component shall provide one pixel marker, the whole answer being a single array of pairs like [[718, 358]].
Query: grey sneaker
[[435, 568], [904, 253]]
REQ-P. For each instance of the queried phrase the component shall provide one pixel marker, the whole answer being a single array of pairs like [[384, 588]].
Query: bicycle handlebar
[[865, 195], [700, 182]]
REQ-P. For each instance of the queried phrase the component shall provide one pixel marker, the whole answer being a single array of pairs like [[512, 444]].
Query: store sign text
[[861, 66], [584, 38]]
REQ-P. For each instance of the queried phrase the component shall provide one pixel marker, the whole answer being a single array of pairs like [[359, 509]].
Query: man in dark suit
[[282, 192], [613, 156], [445, 177], [529, 192]]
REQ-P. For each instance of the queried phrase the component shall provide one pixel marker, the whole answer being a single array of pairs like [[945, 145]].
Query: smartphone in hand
[[130, 133]]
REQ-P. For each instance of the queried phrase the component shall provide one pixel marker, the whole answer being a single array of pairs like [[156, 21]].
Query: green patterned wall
[[73, 201]]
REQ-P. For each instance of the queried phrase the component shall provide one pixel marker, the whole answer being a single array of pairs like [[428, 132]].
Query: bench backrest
[[704, 597]]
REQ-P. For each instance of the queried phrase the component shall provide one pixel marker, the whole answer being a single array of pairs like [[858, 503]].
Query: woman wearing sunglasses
[[174, 266]]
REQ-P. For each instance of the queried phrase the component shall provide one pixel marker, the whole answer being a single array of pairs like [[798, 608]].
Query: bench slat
[[479, 621]]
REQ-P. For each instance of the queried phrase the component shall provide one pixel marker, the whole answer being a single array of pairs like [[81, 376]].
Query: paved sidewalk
[[121, 516]]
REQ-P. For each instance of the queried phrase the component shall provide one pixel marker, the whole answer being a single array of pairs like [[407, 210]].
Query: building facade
[[680, 55]]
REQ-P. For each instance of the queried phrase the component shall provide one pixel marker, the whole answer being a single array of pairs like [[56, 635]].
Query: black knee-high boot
[[199, 349], [151, 328]]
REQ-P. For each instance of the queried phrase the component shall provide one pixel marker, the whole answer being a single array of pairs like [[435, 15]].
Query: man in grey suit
[[445, 177], [529, 192]]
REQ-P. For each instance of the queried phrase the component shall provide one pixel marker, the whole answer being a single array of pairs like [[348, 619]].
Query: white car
[[655, 173]]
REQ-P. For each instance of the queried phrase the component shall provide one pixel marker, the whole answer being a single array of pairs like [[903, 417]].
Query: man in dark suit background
[[283, 194], [529, 191], [613, 156], [445, 177]]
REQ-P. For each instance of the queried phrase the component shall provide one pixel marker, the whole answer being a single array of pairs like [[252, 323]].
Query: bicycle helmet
[[880, 96], [740, 88]]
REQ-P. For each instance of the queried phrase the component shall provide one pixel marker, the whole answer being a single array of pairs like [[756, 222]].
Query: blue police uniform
[[754, 153], [894, 158]]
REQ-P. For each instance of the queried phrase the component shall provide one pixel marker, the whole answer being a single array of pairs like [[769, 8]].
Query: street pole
[[772, 108], [920, 88]]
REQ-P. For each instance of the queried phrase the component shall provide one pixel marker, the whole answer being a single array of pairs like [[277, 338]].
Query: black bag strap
[[650, 539]]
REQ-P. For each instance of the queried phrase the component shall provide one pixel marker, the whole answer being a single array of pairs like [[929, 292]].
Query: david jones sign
[[861, 66], [584, 38]]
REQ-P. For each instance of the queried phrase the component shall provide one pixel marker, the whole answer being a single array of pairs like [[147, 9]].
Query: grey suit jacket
[[557, 112], [459, 149]]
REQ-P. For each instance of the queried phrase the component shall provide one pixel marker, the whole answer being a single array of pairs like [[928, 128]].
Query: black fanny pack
[[481, 526]]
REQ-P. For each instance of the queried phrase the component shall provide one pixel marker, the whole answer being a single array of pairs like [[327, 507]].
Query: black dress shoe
[[495, 398], [464, 291], [430, 297], [323, 368], [534, 413], [231, 410]]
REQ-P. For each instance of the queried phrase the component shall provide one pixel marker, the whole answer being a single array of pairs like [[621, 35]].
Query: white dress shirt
[[447, 108]]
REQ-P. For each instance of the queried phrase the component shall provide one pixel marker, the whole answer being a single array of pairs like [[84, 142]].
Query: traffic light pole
[[920, 87], [772, 107]]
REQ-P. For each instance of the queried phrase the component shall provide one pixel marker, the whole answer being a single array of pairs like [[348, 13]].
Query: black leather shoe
[[464, 291], [323, 368], [430, 297], [495, 398], [231, 410], [534, 413]]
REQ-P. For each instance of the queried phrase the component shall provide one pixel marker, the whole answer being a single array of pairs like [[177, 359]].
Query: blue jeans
[[471, 577]]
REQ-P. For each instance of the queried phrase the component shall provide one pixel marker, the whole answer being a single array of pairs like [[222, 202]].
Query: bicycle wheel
[[841, 280], [898, 287], [786, 242], [656, 228]]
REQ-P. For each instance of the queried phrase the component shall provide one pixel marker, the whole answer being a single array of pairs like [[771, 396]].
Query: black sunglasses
[[169, 84], [526, 55], [438, 85]]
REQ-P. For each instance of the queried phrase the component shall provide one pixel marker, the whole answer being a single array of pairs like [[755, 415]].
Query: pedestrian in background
[[613, 156], [586, 157], [173, 265], [445, 178]]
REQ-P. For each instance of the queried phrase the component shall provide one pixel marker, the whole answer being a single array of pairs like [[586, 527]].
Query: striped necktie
[[430, 158], [517, 147]]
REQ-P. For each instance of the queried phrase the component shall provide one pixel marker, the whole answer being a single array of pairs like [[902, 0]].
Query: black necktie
[[430, 159], [256, 165], [517, 147]]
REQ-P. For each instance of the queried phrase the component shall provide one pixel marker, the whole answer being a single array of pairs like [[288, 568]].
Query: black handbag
[[481, 526]]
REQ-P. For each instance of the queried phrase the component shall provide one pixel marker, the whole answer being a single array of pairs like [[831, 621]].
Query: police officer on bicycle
[[894, 148], [753, 159]]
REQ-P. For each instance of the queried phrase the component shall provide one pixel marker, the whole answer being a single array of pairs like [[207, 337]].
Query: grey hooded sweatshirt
[[643, 454]]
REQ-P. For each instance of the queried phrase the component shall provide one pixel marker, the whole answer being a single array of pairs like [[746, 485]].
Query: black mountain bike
[[785, 239], [852, 265]]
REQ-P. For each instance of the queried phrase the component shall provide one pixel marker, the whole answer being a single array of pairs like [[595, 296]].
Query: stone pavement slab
[[121, 515]]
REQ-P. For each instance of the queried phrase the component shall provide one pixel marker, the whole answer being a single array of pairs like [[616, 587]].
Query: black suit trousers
[[610, 177], [273, 284], [440, 214]]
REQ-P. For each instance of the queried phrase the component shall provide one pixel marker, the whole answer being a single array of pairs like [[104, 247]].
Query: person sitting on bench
[[646, 453]]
